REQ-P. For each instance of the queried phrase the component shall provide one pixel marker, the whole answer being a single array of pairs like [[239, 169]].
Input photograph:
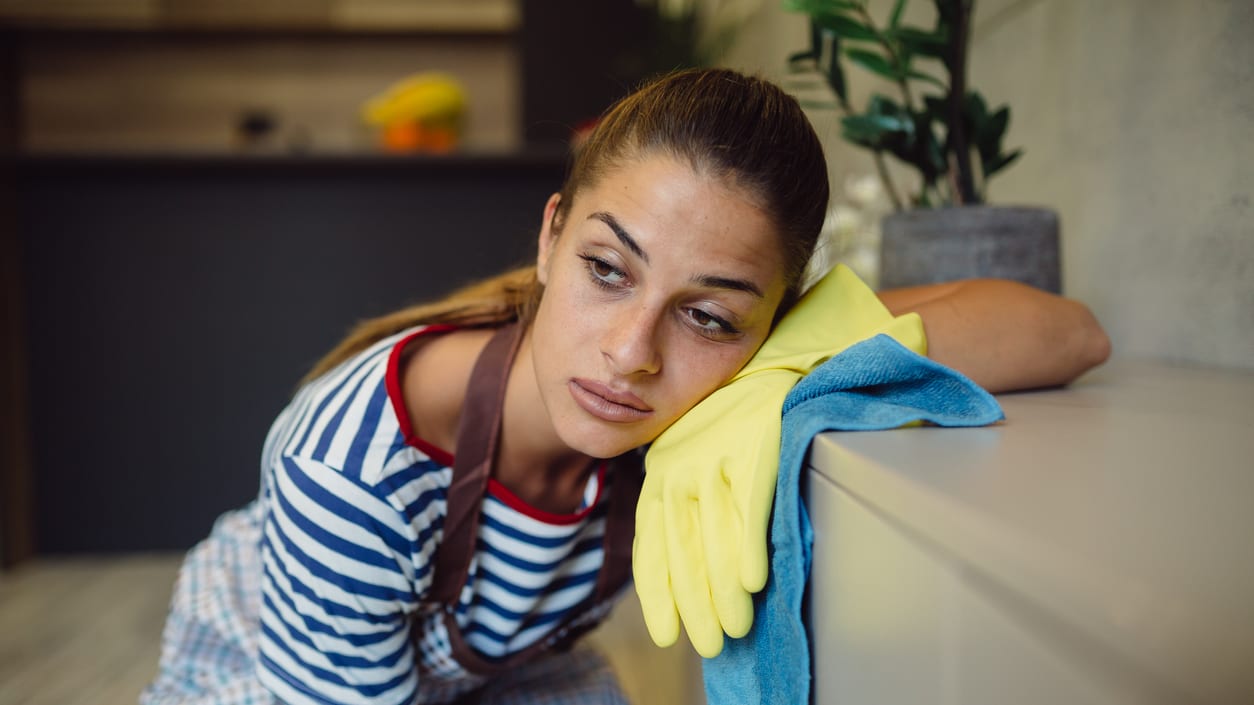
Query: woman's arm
[[1002, 334]]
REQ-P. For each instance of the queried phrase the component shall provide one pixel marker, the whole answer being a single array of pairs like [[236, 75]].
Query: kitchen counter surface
[[1116, 511]]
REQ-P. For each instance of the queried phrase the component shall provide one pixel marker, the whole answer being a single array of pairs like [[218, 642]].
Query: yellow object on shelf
[[424, 112]]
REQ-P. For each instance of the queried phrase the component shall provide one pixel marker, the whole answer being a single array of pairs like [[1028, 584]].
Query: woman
[[445, 501]]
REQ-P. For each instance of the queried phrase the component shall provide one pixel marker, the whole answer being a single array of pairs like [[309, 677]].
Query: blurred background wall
[[1138, 118], [180, 75], [157, 92], [171, 269], [170, 75]]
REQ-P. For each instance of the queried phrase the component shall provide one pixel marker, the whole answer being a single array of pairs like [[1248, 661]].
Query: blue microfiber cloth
[[874, 385]]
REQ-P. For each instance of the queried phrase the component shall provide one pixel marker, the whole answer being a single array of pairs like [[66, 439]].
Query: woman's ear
[[548, 238]]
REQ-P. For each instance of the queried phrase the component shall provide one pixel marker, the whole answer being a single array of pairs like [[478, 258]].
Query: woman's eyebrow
[[709, 280], [735, 284], [622, 235]]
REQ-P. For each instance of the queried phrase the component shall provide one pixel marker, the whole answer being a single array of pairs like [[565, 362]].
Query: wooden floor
[[86, 631]]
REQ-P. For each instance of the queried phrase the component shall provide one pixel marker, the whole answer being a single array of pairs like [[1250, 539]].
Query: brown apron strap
[[627, 471], [478, 429], [626, 475]]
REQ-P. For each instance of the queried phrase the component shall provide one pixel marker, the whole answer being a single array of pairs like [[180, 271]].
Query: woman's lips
[[607, 404]]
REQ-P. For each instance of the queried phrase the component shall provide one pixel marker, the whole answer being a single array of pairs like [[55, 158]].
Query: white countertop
[[1121, 506]]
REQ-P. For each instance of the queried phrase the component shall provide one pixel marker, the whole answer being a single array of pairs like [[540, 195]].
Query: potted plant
[[940, 128]]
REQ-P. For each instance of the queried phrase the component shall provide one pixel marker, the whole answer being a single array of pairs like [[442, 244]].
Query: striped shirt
[[354, 506]]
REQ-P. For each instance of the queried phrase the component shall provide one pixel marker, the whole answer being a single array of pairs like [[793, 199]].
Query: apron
[[478, 431]]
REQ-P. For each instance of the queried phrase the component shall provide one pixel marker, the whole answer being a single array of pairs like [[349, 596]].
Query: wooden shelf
[[538, 159], [265, 16]]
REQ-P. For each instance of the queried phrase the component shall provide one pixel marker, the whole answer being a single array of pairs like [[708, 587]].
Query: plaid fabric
[[209, 645], [581, 677]]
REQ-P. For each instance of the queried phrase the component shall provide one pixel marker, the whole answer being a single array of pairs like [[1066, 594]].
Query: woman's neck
[[532, 461]]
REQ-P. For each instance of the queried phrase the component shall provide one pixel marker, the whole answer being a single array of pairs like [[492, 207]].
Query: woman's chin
[[602, 443], [604, 449]]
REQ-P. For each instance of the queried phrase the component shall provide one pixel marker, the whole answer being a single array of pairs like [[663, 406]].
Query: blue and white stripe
[[352, 518], [526, 577]]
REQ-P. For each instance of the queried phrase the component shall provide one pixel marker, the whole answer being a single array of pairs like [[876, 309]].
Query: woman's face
[[660, 286]]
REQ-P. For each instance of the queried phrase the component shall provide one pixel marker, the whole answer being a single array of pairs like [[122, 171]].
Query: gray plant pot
[[927, 246]]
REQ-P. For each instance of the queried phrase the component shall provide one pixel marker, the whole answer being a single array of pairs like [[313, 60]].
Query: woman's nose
[[631, 342]]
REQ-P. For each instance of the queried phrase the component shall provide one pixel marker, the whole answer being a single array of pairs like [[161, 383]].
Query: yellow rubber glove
[[701, 523]]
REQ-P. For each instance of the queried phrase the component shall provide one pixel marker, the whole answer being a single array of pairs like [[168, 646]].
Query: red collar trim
[[511, 500]]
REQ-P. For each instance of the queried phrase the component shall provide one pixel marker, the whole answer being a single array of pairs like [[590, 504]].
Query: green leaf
[[816, 39], [919, 75], [816, 6], [910, 140], [836, 74], [974, 119], [837, 5], [858, 130], [796, 61], [874, 63], [984, 131], [999, 120], [871, 131], [1000, 163], [927, 153], [989, 141], [879, 104], [895, 17], [884, 125], [845, 27], [976, 108], [921, 42], [887, 127], [993, 129]]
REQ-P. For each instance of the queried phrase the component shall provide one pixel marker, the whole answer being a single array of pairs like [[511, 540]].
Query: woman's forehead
[[666, 208], [663, 186], [622, 165]]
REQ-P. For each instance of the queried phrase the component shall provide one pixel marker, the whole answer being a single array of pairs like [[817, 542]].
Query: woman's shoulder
[[433, 377], [330, 416], [451, 346]]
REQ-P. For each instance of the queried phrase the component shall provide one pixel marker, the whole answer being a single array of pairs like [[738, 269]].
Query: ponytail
[[512, 296]]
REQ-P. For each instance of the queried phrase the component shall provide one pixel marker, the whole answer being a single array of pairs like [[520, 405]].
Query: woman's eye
[[604, 273], [708, 323]]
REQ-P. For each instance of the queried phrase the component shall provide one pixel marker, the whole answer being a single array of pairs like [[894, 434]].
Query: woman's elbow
[[1089, 345]]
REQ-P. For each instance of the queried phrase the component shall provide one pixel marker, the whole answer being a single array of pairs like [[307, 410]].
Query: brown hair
[[741, 129]]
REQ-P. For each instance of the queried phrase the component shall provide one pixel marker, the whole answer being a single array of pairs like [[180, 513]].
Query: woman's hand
[[1002, 334]]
